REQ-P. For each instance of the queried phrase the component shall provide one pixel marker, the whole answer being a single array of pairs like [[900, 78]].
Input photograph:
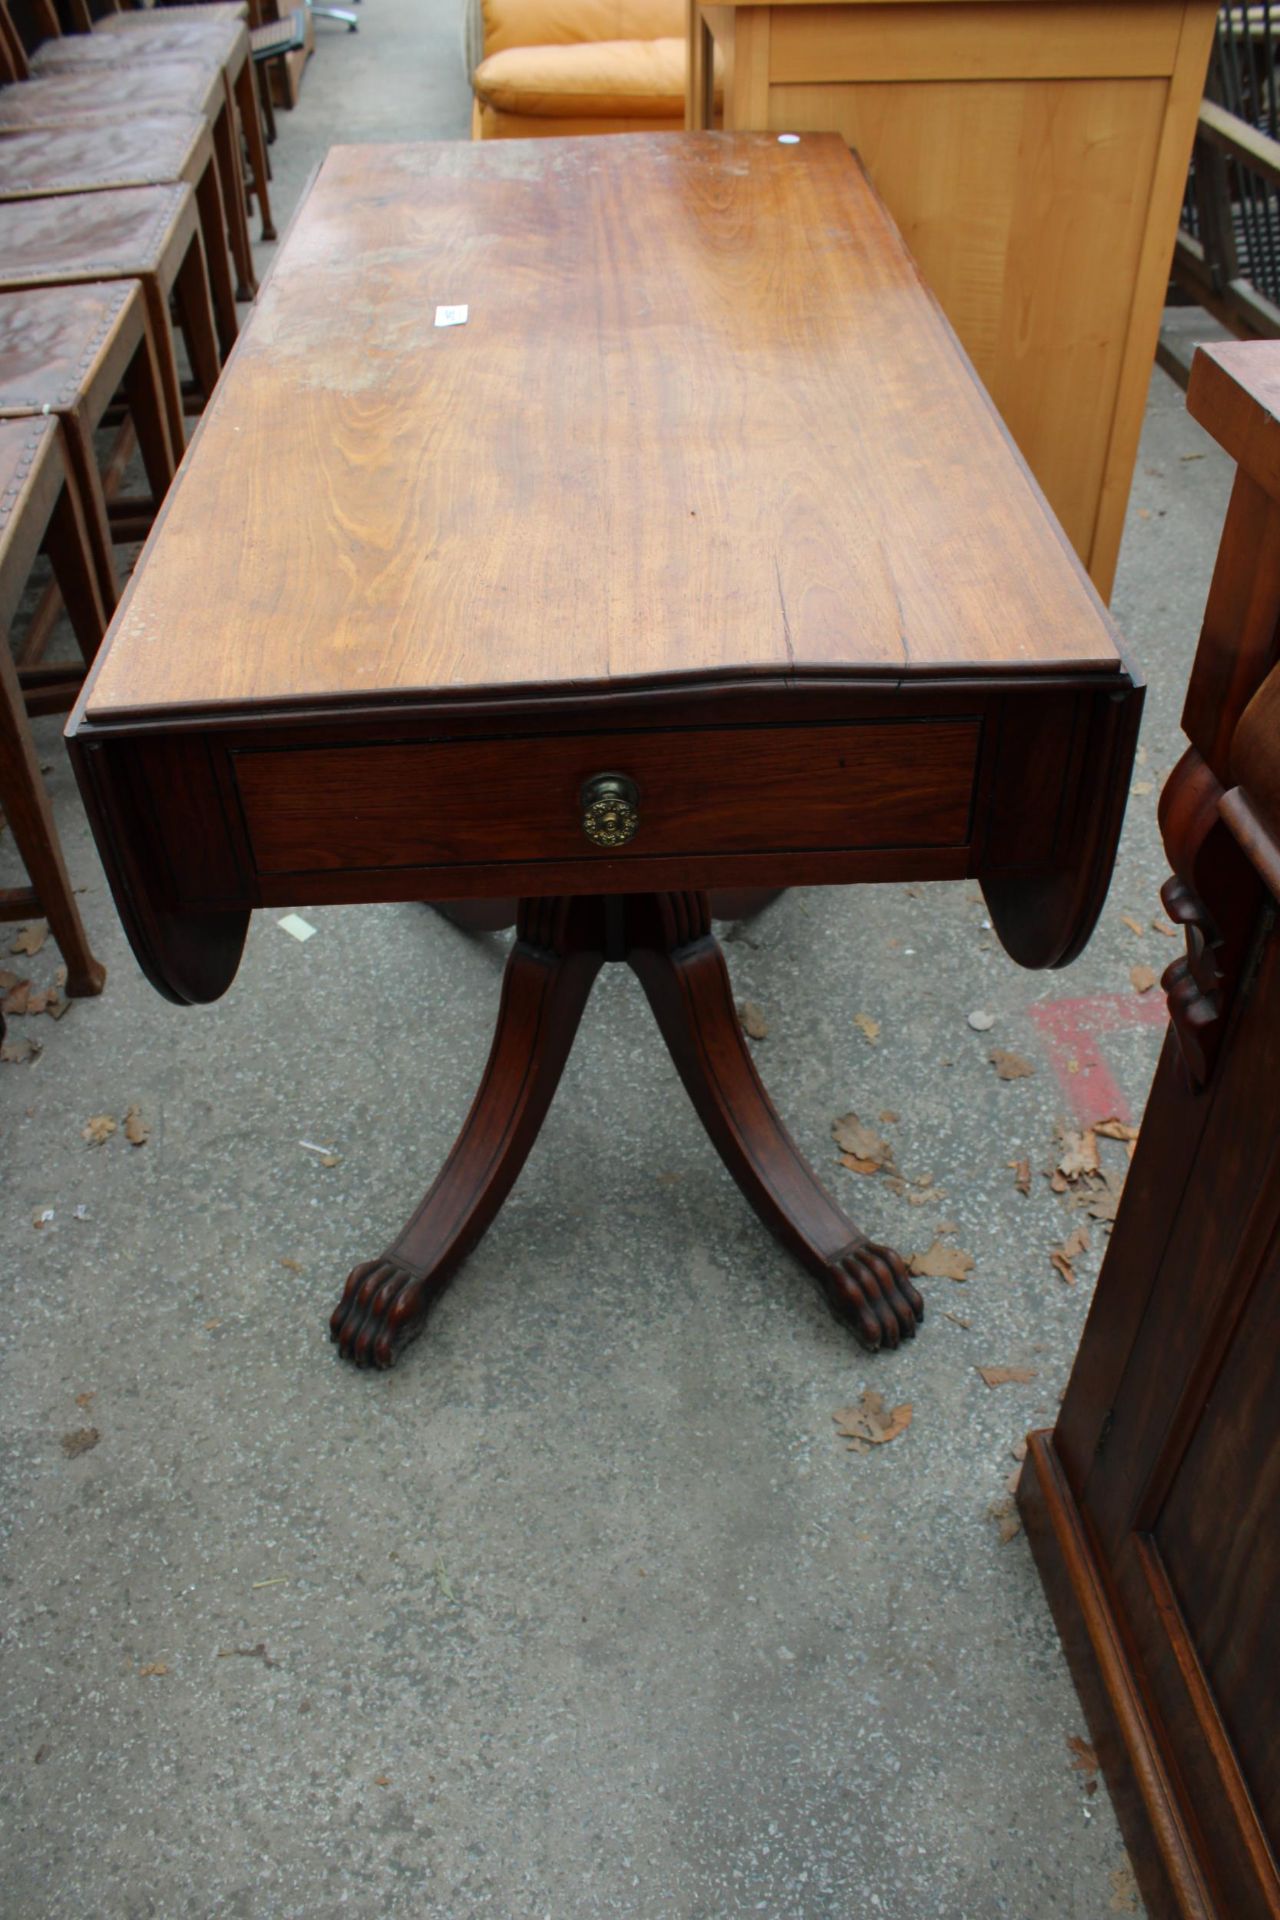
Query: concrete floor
[[583, 1610]]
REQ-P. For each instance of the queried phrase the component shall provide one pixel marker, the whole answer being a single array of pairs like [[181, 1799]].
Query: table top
[[703, 421]]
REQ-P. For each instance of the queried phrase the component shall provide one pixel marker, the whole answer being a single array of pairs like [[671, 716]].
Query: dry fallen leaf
[[136, 1130], [1021, 1174], [85, 1399], [1061, 1258], [99, 1128], [31, 938], [153, 1670], [382, 1779], [869, 1424], [1005, 1512], [1159, 925], [15, 1052], [889, 1118], [1010, 1066], [1143, 978], [1079, 1153], [753, 1019], [1115, 1130], [946, 1226], [1134, 926], [1103, 1201], [80, 1441], [294, 1266], [1085, 1759], [1141, 787], [867, 1027], [957, 1321], [1007, 1376], [941, 1263], [853, 1138], [15, 1001]]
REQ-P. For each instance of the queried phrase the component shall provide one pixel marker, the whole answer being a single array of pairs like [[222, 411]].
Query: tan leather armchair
[[579, 66]]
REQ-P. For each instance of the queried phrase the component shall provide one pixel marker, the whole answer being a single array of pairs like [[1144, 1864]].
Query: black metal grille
[[1243, 78]]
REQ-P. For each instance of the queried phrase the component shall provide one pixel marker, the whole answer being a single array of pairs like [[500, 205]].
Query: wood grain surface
[[703, 420]]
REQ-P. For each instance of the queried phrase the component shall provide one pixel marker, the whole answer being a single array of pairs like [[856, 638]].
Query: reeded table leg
[[560, 947], [682, 969], [558, 952]]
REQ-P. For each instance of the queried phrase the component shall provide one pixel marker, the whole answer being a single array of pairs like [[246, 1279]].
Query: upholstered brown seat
[[68, 351], [220, 43], [147, 234], [155, 151], [108, 96]]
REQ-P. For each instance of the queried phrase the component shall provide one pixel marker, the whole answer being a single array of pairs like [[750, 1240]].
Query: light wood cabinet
[[1033, 152]]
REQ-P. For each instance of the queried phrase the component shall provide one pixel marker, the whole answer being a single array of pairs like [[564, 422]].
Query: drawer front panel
[[724, 790]]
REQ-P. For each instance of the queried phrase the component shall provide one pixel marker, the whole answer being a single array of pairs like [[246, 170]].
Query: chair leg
[[251, 121], [84, 469], [160, 327], [26, 806], [227, 152], [263, 69], [71, 556], [195, 316], [144, 393], [213, 229]]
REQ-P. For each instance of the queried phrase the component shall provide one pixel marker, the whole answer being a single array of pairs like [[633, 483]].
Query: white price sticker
[[451, 316]]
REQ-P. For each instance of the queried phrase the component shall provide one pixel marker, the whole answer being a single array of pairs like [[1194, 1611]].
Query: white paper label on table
[[451, 316]]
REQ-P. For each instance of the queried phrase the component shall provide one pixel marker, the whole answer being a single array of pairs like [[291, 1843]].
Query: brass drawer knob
[[610, 809]]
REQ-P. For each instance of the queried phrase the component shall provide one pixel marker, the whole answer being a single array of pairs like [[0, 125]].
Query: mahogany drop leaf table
[[692, 556]]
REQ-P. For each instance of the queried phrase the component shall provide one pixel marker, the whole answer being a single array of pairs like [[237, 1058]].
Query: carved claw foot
[[868, 1289], [383, 1305]]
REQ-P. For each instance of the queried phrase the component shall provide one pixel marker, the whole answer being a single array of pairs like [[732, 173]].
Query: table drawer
[[867, 784]]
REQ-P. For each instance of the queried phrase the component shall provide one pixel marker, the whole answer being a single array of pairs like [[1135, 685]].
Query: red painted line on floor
[[1071, 1029]]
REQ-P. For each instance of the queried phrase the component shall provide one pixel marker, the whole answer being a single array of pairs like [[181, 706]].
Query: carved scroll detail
[[1213, 895]]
